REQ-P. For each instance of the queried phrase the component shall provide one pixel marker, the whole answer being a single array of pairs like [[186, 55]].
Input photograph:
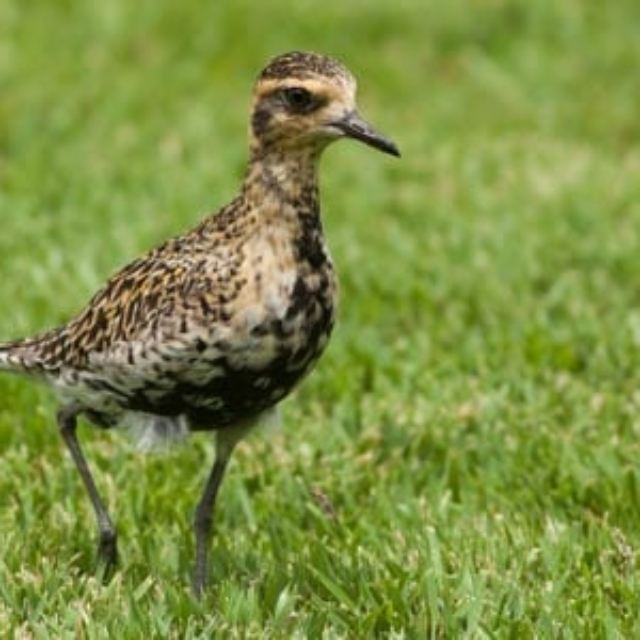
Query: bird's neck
[[285, 178], [283, 188]]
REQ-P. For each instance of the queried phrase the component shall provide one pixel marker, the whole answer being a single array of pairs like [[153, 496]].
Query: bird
[[211, 329]]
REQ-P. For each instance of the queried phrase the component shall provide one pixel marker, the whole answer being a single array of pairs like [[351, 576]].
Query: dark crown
[[302, 65]]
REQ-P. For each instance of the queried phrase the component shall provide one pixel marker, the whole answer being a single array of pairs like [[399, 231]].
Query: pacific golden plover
[[210, 330]]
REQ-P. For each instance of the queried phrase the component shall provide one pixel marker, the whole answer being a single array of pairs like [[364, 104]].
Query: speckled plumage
[[216, 325], [213, 328]]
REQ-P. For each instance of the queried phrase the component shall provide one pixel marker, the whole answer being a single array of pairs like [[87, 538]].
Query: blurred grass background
[[464, 460]]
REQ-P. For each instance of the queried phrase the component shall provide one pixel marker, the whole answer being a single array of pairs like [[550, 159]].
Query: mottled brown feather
[[220, 323], [211, 329]]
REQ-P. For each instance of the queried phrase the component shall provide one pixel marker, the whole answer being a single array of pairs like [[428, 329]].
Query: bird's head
[[305, 101]]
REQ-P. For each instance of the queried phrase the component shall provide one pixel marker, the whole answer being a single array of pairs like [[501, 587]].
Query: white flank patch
[[153, 434], [270, 419]]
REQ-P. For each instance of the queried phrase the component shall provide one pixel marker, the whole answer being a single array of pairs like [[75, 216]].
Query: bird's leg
[[226, 441], [108, 541], [203, 523]]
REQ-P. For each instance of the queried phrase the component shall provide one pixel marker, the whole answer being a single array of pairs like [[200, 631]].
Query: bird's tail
[[28, 356], [12, 356]]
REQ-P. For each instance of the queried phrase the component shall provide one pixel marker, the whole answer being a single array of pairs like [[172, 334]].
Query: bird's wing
[[163, 335], [162, 304]]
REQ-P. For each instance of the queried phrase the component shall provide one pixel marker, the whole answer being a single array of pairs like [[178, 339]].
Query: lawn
[[465, 460]]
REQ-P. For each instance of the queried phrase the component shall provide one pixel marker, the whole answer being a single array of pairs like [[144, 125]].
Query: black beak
[[353, 126]]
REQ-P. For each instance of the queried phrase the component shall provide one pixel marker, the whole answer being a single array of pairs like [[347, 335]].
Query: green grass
[[465, 460]]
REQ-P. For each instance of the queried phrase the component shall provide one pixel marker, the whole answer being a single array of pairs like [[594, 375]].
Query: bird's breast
[[284, 315], [279, 327]]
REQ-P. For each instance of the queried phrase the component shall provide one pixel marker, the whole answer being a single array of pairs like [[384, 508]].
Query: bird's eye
[[298, 99]]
